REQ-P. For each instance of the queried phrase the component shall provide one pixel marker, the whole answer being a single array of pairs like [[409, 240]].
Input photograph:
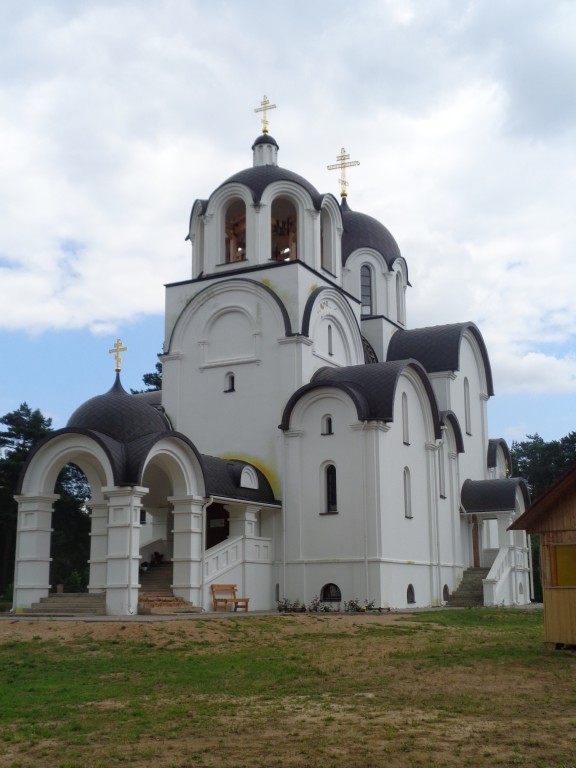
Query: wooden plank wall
[[560, 615]]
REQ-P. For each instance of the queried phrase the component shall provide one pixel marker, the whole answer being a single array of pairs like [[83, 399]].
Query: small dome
[[362, 231], [119, 415], [265, 138]]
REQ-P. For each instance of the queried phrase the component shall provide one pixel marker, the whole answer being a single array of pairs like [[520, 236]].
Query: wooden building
[[553, 518]]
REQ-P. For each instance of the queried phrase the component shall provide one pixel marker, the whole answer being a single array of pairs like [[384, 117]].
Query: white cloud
[[115, 117]]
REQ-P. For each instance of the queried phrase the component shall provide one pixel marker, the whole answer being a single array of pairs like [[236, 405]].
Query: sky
[[115, 115]]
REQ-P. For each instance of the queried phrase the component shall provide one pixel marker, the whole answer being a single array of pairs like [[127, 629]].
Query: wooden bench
[[224, 595]]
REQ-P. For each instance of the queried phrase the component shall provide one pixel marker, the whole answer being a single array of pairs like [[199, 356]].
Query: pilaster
[[98, 546], [188, 532], [123, 552], [33, 534]]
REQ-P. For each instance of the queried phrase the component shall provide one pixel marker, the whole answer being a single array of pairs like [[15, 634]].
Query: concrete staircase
[[156, 597], [69, 604], [470, 593], [158, 578]]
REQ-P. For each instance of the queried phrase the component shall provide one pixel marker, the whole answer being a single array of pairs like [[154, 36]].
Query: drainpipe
[[365, 512]]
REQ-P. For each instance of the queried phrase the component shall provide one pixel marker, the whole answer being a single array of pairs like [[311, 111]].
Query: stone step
[[163, 603], [69, 604], [470, 592]]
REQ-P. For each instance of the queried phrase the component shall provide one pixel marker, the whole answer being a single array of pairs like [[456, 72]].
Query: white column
[[98, 546], [33, 534], [123, 556], [187, 558]]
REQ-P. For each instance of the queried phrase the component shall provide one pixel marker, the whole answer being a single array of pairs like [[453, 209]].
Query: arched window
[[235, 231], [405, 425], [326, 242], [229, 383], [330, 346], [441, 472], [445, 593], [327, 426], [330, 490], [366, 289], [400, 312], [407, 494], [467, 414], [284, 230], [330, 593], [410, 595]]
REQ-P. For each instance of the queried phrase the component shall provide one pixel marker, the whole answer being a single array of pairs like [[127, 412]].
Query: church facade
[[306, 442]]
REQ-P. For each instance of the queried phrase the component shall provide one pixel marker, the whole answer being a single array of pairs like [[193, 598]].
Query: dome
[[265, 139], [119, 415], [362, 231], [261, 176]]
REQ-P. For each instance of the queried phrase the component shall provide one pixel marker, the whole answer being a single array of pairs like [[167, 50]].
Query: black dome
[[362, 231], [261, 176], [119, 415], [265, 139]]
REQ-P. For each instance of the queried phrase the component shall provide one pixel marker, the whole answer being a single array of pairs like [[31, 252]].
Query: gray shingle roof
[[493, 446], [362, 231], [222, 478], [438, 348], [261, 176], [371, 387], [492, 495], [449, 417], [119, 415], [265, 138]]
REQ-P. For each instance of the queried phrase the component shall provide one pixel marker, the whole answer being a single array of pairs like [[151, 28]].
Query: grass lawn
[[443, 688]]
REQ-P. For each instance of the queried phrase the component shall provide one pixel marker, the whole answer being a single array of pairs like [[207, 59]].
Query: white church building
[[306, 442]]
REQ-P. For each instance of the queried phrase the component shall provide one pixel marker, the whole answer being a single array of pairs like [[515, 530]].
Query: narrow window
[[400, 314], [326, 242], [407, 494], [284, 230], [142, 516], [229, 383], [467, 417], [441, 472], [330, 479], [330, 593], [330, 350], [235, 231], [410, 595], [366, 289], [327, 428], [445, 593], [405, 426]]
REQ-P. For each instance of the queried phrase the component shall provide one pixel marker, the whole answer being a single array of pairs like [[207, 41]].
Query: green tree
[[70, 548], [541, 463], [152, 381], [24, 427]]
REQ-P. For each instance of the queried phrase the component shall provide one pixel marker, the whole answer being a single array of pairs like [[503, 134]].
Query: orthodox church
[[306, 441]]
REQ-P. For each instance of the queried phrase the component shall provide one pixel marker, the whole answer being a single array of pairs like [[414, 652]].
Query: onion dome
[[119, 415], [362, 231]]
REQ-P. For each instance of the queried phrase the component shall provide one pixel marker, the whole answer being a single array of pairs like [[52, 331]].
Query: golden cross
[[264, 107], [343, 163], [116, 350]]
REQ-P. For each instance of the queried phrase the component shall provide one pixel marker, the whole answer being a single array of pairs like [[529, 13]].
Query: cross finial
[[264, 107], [116, 350], [343, 163]]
